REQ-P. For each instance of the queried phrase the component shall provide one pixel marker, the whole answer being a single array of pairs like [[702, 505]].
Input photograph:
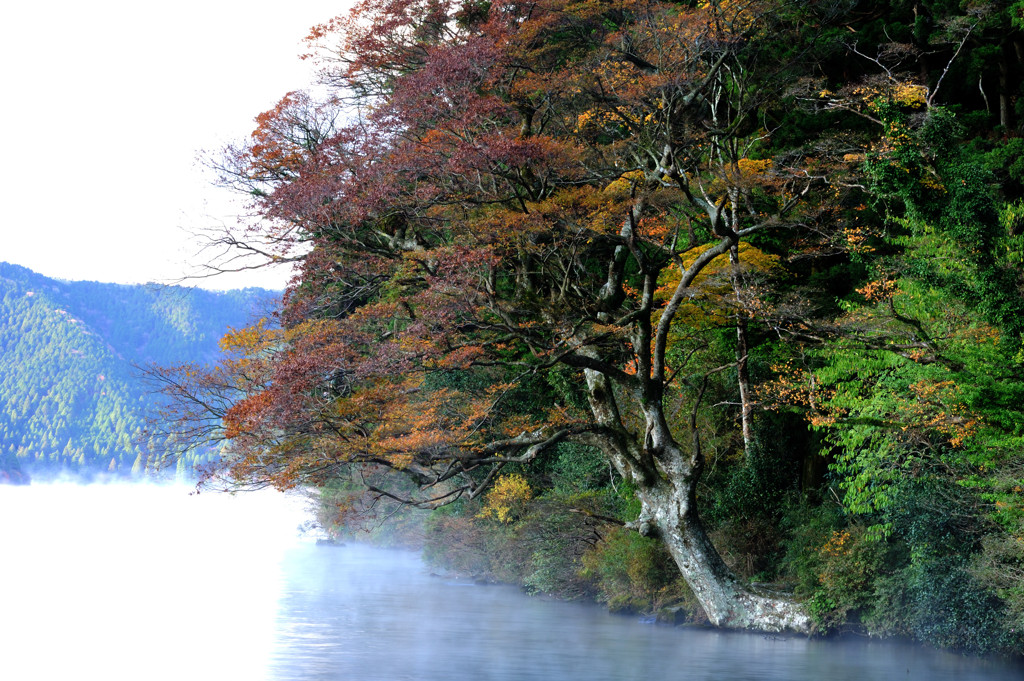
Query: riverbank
[[567, 549], [383, 614]]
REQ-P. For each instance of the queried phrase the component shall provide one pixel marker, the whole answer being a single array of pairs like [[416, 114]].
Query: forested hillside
[[71, 395], [711, 308]]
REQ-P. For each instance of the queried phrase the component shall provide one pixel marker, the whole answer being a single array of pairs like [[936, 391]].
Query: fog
[[139, 581], [142, 582]]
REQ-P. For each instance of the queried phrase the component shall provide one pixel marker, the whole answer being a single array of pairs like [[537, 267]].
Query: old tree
[[496, 192]]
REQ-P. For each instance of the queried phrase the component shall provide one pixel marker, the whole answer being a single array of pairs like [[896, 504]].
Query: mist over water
[[139, 582], [375, 615]]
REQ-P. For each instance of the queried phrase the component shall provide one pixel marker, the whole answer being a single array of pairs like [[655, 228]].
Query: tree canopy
[[651, 230]]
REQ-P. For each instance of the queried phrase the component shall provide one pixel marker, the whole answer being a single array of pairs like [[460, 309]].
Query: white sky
[[104, 106]]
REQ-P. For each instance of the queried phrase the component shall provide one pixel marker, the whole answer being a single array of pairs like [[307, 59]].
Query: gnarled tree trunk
[[669, 515], [666, 477]]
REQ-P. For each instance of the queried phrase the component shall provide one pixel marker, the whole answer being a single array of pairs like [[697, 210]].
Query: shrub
[[747, 498], [635, 574], [558, 531], [938, 601], [831, 563], [999, 567], [462, 544], [849, 562], [507, 499], [539, 546]]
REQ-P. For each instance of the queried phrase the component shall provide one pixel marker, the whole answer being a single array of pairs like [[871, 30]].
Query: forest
[[73, 398], [708, 309]]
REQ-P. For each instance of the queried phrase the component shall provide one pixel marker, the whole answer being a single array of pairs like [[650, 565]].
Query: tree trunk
[[669, 514], [666, 481], [1005, 109], [664, 474], [742, 350]]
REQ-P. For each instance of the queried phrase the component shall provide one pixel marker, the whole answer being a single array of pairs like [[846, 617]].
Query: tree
[[524, 189]]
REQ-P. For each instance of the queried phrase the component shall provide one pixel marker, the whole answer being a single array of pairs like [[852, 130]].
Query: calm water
[[123, 582]]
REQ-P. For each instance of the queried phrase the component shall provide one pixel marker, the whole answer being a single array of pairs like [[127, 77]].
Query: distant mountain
[[71, 396]]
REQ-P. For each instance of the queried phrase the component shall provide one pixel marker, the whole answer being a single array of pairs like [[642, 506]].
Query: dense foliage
[[72, 394], [744, 277]]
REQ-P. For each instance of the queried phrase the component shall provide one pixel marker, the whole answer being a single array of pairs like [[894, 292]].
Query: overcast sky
[[105, 106]]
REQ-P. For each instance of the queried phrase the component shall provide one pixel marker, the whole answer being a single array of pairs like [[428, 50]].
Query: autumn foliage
[[494, 196]]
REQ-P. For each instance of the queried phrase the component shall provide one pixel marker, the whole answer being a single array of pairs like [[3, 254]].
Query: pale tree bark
[[742, 354], [664, 473], [666, 478], [726, 601]]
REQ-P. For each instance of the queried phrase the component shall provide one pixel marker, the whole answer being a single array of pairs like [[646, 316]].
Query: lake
[[145, 582]]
